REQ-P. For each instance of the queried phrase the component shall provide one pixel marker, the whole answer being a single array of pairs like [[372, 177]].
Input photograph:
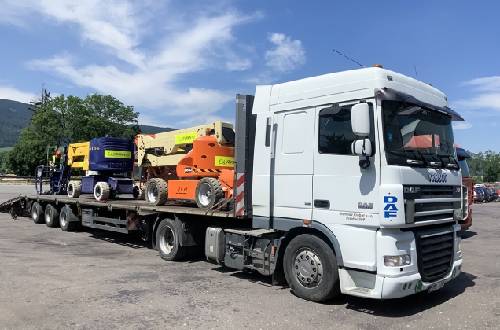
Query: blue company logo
[[390, 209]]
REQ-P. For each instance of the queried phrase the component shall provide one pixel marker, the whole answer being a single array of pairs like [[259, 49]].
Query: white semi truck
[[345, 183]]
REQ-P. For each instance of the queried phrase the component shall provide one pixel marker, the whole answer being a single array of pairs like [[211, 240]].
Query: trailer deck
[[131, 204]]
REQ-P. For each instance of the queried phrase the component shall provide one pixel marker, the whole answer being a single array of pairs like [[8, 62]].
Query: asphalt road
[[92, 279]]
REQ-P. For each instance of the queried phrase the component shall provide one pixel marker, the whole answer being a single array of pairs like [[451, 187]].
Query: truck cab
[[366, 160]]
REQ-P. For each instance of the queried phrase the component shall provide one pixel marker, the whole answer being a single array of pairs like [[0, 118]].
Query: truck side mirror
[[362, 147], [360, 119]]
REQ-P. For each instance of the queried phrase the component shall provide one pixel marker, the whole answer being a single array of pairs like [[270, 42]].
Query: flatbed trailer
[[335, 191]]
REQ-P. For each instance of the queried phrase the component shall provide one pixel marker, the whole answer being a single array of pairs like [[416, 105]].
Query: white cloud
[[11, 93], [147, 75], [286, 55], [461, 125], [486, 94]]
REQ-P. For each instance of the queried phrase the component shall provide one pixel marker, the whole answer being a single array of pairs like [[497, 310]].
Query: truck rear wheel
[[156, 191], [37, 213], [51, 216], [311, 268], [208, 193], [74, 189], [102, 191], [168, 241], [67, 219]]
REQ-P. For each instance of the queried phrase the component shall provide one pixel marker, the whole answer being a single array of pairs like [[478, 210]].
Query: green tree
[[485, 166], [62, 120]]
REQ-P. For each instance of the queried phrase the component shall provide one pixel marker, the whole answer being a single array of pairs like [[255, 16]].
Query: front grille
[[431, 202], [434, 252]]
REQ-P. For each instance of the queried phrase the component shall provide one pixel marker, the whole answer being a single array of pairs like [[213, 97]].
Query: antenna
[[416, 72], [338, 52]]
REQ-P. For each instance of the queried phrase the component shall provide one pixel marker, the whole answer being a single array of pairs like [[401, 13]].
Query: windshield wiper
[[411, 161], [451, 162]]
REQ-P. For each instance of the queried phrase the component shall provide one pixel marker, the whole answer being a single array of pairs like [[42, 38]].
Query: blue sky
[[181, 62]]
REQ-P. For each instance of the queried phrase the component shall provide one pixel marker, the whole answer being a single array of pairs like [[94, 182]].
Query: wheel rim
[[34, 214], [152, 193], [204, 194], [47, 217], [167, 241], [62, 219], [308, 268], [98, 191]]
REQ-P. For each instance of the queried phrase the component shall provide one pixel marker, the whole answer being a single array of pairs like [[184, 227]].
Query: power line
[[348, 57]]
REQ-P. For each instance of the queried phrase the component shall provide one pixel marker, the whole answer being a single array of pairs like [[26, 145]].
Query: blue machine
[[112, 160]]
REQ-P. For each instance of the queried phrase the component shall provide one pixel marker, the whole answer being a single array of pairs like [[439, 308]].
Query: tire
[[138, 193], [168, 242], [37, 213], [156, 191], [208, 193], [74, 189], [311, 268], [102, 191], [67, 219], [51, 216]]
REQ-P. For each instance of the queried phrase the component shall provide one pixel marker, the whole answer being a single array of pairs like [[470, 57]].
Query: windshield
[[417, 136]]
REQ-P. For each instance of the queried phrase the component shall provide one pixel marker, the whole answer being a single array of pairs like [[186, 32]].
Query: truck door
[[294, 163], [343, 192]]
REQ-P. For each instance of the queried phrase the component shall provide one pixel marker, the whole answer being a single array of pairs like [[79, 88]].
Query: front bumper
[[383, 287]]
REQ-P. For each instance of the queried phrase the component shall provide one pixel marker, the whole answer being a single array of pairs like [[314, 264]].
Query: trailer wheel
[[208, 193], [156, 191], [311, 268], [74, 189], [51, 216], [67, 219], [168, 242], [102, 191], [37, 213]]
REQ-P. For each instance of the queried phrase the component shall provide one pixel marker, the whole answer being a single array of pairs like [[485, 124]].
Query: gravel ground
[[51, 279]]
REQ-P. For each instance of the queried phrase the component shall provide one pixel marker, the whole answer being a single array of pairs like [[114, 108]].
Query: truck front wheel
[[311, 268], [168, 241]]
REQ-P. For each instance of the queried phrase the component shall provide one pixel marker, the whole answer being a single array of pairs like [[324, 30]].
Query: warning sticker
[[117, 154], [224, 161], [185, 138]]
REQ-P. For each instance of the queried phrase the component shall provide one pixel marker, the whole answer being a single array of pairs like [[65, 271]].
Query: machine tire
[[156, 191], [37, 213], [138, 193], [67, 219], [102, 191], [208, 193], [74, 189], [168, 241], [51, 216], [310, 255]]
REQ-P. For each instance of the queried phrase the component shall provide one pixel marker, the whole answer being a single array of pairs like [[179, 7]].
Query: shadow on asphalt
[[413, 304], [468, 234], [116, 238]]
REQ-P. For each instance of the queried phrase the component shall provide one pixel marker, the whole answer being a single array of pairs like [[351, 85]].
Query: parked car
[[468, 183], [479, 195], [492, 194]]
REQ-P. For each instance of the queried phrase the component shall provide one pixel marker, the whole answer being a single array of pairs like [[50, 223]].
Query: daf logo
[[438, 177]]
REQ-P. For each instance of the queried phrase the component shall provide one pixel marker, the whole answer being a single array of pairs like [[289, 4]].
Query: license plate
[[436, 286]]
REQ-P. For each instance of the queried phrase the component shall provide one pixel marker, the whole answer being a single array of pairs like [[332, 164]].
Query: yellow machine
[[78, 155], [186, 161]]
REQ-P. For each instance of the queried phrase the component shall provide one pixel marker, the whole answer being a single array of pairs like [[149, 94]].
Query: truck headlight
[[397, 261]]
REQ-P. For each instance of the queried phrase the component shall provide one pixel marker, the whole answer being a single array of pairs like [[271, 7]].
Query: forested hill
[[14, 116]]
